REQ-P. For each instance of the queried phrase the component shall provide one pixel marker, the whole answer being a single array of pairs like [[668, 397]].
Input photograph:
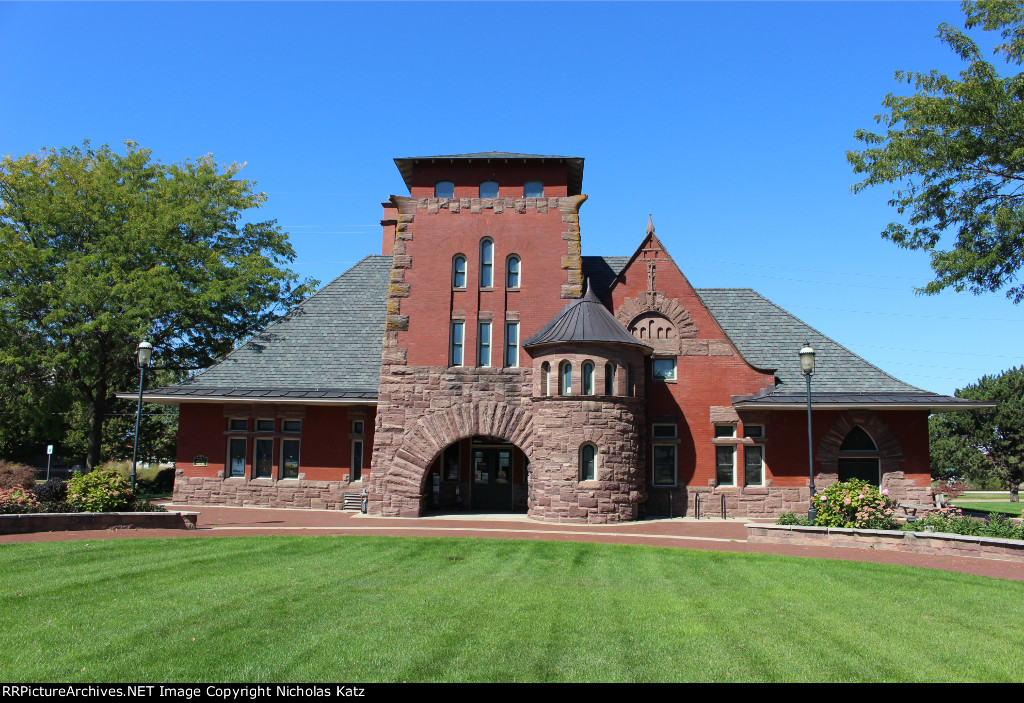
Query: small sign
[[200, 461], [49, 449]]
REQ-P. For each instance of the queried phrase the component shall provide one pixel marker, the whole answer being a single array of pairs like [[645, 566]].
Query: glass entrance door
[[492, 479]]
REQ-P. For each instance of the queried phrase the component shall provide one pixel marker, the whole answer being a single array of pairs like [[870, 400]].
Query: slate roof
[[585, 320], [327, 347]]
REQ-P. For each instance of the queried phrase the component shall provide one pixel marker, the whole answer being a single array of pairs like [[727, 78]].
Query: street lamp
[[807, 366], [143, 354]]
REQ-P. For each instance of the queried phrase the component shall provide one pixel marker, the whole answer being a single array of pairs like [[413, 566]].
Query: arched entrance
[[479, 474]]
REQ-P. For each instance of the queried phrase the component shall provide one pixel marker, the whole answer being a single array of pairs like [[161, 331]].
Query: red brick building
[[482, 362]]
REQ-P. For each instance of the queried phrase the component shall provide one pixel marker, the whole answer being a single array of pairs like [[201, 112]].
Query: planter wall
[[891, 540], [54, 522]]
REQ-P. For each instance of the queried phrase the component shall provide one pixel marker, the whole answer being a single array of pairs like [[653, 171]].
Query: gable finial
[[650, 224]]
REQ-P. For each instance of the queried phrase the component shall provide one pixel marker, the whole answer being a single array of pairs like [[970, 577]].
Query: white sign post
[[49, 453]]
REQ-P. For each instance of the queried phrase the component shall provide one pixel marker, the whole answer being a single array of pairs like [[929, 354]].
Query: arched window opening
[[533, 189], [588, 378], [486, 263], [565, 380], [588, 462], [858, 441], [459, 271], [858, 462], [444, 189], [489, 189], [512, 272], [545, 378], [609, 379]]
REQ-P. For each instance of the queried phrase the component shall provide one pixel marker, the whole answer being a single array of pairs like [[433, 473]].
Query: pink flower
[[885, 491]]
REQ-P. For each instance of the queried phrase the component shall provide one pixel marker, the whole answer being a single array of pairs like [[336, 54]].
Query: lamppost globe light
[[807, 358], [143, 353], [807, 365]]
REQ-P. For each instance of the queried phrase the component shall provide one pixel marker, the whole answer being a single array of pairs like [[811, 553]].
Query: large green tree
[[955, 151], [99, 250], [984, 445]]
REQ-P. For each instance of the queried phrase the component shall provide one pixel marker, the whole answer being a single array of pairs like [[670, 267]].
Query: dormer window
[[444, 189], [533, 189], [489, 189]]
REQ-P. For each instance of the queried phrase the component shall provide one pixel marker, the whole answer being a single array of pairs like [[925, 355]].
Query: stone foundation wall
[[264, 493], [561, 426]]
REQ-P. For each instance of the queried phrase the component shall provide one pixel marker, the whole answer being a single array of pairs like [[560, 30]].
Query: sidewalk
[[710, 534]]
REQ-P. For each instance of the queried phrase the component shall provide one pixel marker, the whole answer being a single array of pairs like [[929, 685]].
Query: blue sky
[[728, 121]]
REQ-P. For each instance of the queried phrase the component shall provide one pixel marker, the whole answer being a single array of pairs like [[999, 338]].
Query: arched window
[[858, 441], [489, 189], [444, 189], [588, 378], [486, 263], [858, 457], [565, 378], [545, 378], [609, 379], [459, 271], [588, 462], [533, 189], [512, 272]]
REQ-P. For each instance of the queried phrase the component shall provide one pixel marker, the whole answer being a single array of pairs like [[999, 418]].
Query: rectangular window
[[483, 345], [753, 466], [664, 464], [290, 458], [356, 474], [357, 427], [663, 431], [264, 425], [263, 465], [291, 425], [511, 344], [236, 456], [725, 430], [664, 369], [725, 466], [458, 330], [753, 431], [238, 424]]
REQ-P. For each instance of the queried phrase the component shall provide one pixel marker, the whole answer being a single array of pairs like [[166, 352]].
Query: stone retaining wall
[[54, 522], [262, 492], [890, 540]]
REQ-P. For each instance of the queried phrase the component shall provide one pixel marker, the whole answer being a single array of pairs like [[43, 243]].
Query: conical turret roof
[[585, 320]]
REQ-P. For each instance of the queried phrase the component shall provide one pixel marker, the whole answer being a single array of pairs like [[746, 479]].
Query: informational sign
[[200, 461], [49, 449]]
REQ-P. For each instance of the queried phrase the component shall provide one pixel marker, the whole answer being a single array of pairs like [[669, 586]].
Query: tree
[[99, 250], [955, 149], [984, 445]]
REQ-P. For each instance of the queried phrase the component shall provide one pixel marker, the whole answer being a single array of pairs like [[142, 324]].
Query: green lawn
[[404, 609], [990, 506]]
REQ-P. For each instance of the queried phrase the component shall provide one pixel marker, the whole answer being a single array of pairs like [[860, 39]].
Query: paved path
[[721, 535]]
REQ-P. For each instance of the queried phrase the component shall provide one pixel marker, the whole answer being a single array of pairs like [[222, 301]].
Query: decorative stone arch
[[890, 452], [427, 438], [648, 302]]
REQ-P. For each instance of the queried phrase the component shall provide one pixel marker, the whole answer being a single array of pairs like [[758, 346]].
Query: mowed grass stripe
[[345, 608]]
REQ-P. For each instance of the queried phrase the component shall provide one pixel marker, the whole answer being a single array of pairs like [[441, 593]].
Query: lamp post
[[807, 366], [143, 354]]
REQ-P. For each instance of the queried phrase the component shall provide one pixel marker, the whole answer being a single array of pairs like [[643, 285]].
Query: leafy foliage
[[53, 491], [791, 518], [955, 150], [16, 475], [17, 500], [953, 521], [99, 492], [854, 503], [986, 446], [99, 250]]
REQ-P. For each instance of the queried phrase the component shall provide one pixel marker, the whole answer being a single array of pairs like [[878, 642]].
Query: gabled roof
[[586, 320], [574, 164], [326, 348]]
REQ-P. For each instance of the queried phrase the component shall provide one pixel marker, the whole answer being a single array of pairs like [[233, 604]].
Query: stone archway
[[401, 487], [646, 303], [889, 451]]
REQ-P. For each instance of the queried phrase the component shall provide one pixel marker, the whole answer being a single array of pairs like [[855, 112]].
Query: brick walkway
[[720, 535]]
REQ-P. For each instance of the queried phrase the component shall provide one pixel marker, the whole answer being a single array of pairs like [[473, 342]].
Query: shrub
[[53, 491], [855, 503], [99, 492], [952, 520], [791, 518], [162, 483], [999, 526], [16, 475], [17, 500]]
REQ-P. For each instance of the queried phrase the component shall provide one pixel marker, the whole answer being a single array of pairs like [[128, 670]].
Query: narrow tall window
[[289, 458], [263, 464], [489, 189], [725, 465], [483, 345], [511, 344], [236, 456], [486, 263], [565, 382], [663, 464], [459, 271], [444, 189], [458, 330], [630, 381], [545, 378], [512, 272], [356, 472], [588, 454], [609, 379], [588, 378], [753, 465], [533, 189]]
